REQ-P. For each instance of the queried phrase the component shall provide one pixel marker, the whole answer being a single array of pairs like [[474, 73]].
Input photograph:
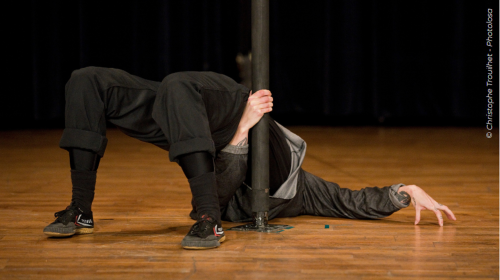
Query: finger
[[262, 101], [262, 92], [266, 92], [447, 211], [261, 111], [444, 208], [417, 215], [260, 107], [264, 106], [439, 216], [258, 94], [259, 97], [256, 104], [265, 99], [266, 110]]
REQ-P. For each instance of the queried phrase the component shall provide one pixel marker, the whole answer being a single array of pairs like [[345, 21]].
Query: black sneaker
[[69, 222], [204, 234]]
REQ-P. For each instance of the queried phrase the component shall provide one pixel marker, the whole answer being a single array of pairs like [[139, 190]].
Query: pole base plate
[[253, 227]]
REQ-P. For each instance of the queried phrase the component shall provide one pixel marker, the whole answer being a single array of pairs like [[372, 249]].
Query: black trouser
[[314, 196], [322, 198], [187, 112]]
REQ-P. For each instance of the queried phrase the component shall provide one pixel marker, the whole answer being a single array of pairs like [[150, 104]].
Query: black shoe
[[204, 234], [69, 222]]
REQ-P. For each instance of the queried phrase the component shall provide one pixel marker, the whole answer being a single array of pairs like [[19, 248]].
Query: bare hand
[[258, 104], [422, 201]]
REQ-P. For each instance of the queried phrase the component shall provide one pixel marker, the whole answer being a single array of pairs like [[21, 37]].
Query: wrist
[[407, 189], [400, 195], [403, 188], [243, 128], [240, 137]]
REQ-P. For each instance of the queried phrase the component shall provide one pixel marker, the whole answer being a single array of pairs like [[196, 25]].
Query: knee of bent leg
[[86, 72], [176, 91], [179, 80], [177, 86], [82, 81], [80, 77], [178, 77]]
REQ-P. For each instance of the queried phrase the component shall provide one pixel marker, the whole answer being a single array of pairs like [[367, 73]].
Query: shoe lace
[[202, 226], [60, 213], [66, 215]]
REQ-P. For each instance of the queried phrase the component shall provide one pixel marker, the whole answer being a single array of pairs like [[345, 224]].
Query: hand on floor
[[422, 201]]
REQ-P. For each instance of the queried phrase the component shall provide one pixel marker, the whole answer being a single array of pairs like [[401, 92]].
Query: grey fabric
[[230, 170], [298, 151], [238, 150], [392, 196]]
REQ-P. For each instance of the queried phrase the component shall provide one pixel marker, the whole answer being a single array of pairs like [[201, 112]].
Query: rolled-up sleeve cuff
[[392, 195], [238, 150], [83, 139], [191, 146]]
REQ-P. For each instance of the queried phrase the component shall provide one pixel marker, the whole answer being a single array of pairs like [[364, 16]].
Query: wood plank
[[143, 200]]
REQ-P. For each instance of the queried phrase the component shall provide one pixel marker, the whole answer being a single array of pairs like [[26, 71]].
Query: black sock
[[204, 190], [199, 169], [83, 160], [83, 188], [84, 166]]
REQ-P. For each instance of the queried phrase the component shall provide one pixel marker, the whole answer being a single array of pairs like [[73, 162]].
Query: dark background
[[332, 62]]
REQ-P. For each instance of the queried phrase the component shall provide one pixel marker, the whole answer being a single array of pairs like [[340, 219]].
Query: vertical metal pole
[[260, 133]]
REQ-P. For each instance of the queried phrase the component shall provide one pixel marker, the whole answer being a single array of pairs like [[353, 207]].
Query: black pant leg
[[198, 111], [94, 95]]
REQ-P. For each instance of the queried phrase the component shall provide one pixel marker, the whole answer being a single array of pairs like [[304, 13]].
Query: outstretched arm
[[422, 201]]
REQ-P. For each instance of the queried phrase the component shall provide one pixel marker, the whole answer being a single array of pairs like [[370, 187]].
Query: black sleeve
[[322, 198]]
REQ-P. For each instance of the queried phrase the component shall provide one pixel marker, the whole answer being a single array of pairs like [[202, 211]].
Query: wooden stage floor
[[142, 204]]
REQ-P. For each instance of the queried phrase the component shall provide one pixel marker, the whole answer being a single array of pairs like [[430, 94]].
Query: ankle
[[210, 217], [83, 189], [204, 191], [81, 206]]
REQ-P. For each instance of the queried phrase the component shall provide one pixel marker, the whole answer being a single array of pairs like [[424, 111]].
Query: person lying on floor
[[203, 120]]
